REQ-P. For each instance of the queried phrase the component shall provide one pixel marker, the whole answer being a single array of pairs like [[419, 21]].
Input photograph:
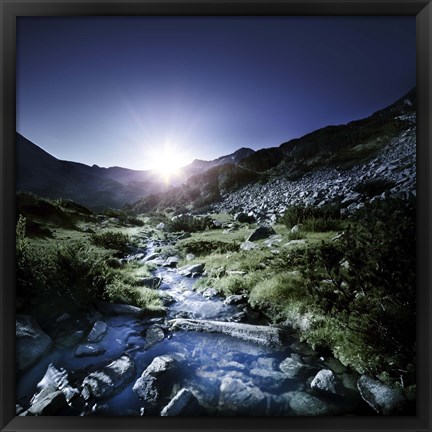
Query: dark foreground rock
[[151, 383], [57, 380], [303, 404], [110, 379], [184, 403], [383, 399], [49, 404], [31, 342], [264, 335]]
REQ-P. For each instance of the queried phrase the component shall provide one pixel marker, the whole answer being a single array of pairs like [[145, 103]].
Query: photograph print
[[216, 216]]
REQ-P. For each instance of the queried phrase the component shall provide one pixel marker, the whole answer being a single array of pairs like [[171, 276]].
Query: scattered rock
[[294, 369], [97, 332], [150, 282], [383, 399], [31, 342], [160, 226], [295, 229], [154, 335], [190, 257], [248, 245], [240, 399], [184, 403], [268, 379], [234, 299], [171, 262], [184, 236], [327, 382], [210, 292], [262, 232], [70, 340], [110, 379], [151, 257], [267, 363], [192, 269]]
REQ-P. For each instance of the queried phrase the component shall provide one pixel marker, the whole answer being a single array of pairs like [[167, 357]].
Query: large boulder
[[31, 342], [109, 380], [184, 403], [149, 385], [327, 382], [262, 232], [383, 399], [150, 282], [264, 335]]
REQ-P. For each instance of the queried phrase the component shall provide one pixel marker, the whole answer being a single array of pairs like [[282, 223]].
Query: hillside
[[96, 187], [345, 164]]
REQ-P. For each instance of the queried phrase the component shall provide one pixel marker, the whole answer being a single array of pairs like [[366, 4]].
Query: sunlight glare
[[167, 162]]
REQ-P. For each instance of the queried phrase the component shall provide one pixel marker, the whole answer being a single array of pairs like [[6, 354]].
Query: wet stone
[[110, 379], [154, 335], [327, 382], [89, 350], [98, 331], [238, 398], [50, 404], [303, 404], [294, 369], [268, 379], [184, 403]]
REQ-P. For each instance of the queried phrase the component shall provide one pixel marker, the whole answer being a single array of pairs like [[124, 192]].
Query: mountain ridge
[[203, 182]]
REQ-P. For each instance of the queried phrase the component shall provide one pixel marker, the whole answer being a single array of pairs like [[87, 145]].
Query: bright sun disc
[[167, 162]]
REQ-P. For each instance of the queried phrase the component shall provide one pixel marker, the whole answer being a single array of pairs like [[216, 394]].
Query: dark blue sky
[[110, 90]]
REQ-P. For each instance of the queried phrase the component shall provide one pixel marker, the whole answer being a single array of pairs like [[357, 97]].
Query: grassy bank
[[350, 292], [69, 258]]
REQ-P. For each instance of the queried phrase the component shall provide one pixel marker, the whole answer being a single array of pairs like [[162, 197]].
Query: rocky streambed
[[205, 356]]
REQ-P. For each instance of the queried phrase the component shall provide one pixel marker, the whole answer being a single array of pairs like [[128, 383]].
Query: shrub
[[189, 223], [318, 219], [365, 283], [205, 247], [372, 187], [111, 240]]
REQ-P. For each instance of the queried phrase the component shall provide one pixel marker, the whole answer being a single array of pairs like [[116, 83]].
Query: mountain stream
[[177, 370]]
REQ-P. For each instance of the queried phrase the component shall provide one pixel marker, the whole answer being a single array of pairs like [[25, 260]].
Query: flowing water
[[220, 370]]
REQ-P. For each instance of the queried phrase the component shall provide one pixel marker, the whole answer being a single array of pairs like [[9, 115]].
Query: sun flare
[[167, 162]]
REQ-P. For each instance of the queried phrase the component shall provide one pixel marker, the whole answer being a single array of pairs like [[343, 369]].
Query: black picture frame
[[10, 9]]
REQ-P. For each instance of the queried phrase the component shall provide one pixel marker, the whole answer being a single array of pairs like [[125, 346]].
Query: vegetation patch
[[112, 240]]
